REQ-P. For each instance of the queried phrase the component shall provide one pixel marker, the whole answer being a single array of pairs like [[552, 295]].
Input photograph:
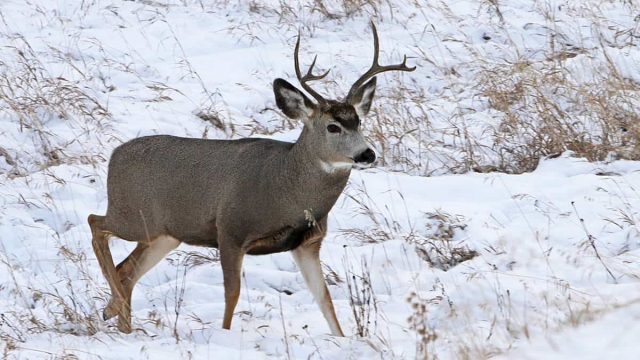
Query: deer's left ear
[[293, 102], [363, 98]]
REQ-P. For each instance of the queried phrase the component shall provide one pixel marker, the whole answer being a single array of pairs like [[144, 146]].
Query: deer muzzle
[[367, 157]]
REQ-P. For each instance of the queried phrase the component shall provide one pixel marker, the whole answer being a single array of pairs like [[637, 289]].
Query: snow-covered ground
[[556, 272]]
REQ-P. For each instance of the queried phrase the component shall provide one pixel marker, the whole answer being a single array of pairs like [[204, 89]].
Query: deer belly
[[285, 239], [205, 235]]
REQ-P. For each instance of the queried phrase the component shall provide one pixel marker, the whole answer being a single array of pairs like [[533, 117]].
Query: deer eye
[[334, 129]]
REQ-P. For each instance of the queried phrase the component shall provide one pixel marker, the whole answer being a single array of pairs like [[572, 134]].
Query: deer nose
[[367, 156]]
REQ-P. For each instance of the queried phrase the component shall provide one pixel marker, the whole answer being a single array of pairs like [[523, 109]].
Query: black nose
[[367, 156]]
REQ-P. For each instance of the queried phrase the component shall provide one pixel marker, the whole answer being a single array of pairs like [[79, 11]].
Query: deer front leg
[[307, 256], [231, 261]]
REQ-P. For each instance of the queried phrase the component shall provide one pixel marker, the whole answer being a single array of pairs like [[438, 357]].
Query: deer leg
[[100, 244], [114, 305], [231, 261], [145, 256], [307, 256]]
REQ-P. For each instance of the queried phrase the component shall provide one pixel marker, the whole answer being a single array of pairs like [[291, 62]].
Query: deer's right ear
[[292, 101]]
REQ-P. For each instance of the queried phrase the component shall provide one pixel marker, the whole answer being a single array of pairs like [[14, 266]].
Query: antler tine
[[309, 75], [376, 68]]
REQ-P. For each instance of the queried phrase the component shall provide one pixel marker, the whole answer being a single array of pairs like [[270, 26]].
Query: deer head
[[332, 127]]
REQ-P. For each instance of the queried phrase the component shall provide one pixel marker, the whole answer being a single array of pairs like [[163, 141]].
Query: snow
[[556, 272]]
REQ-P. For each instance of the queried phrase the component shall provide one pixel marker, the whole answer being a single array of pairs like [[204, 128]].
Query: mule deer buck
[[247, 196]]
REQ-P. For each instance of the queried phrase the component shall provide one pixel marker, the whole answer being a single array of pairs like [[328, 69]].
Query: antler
[[375, 67], [309, 76]]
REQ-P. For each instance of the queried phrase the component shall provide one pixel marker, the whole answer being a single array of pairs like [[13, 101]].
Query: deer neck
[[306, 171], [307, 162]]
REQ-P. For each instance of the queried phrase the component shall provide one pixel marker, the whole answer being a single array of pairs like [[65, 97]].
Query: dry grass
[[192, 259], [442, 247], [545, 111], [362, 298], [38, 101], [440, 243], [69, 307], [418, 322], [542, 109]]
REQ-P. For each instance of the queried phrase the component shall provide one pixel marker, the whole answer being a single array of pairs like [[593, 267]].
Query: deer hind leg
[[231, 261], [100, 242], [145, 256], [127, 264], [307, 257]]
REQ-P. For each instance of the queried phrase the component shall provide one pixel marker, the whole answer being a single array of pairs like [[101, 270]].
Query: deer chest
[[283, 239]]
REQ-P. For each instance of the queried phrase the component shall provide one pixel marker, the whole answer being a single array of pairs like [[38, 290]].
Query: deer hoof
[[124, 323], [107, 314], [124, 327], [112, 309]]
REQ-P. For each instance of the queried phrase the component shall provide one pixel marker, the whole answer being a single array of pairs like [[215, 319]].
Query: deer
[[249, 196]]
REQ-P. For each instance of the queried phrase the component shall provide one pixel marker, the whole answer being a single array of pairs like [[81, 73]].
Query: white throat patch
[[331, 167]]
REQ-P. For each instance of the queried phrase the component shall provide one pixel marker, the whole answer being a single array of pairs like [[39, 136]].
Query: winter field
[[501, 220]]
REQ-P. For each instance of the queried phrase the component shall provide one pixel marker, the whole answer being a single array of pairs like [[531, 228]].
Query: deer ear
[[363, 98], [293, 102]]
